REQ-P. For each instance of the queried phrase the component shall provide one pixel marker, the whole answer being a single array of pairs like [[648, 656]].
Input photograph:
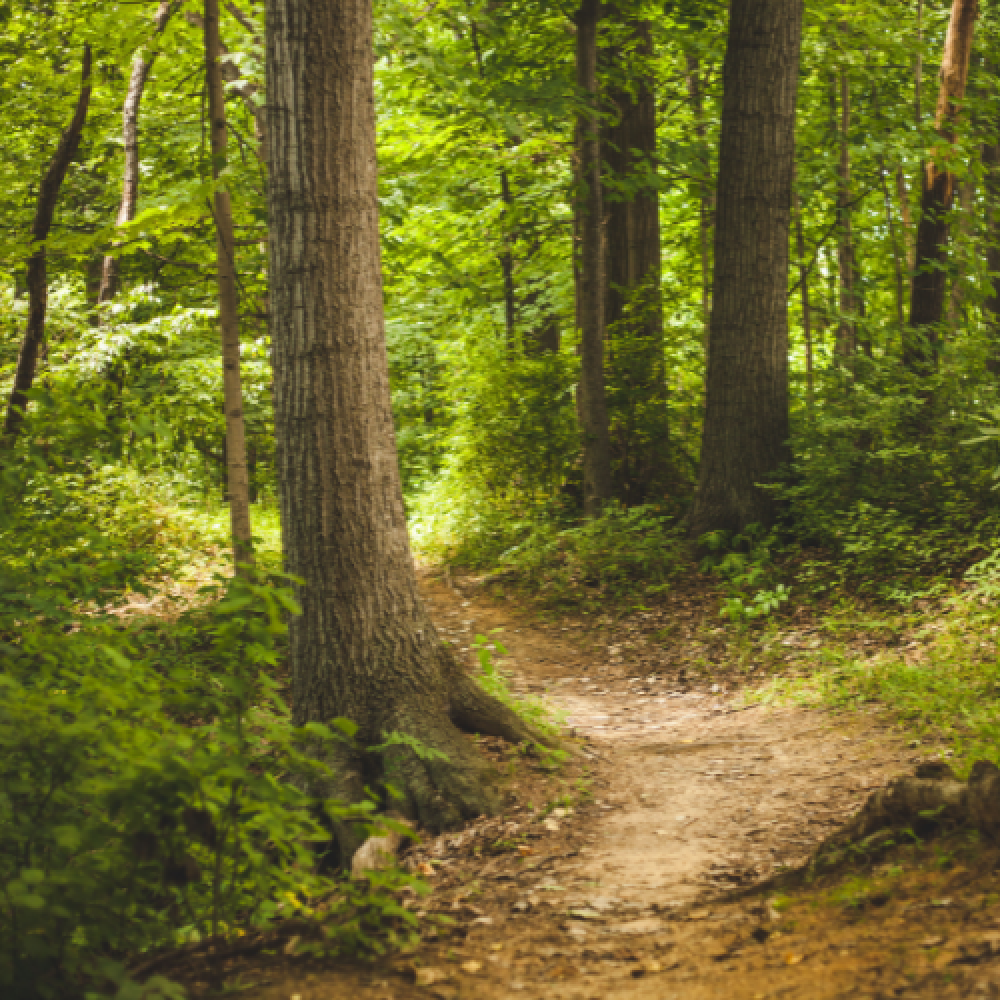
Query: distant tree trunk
[[364, 647], [506, 202], [592, 399], [921, 344], [237, 481], [903, 193], [991, 304], [804, 269], [238, 84], [706, 190], [851, 306], [38, 278], [965, 198], [898, 251], [746, 408], [633, 312], [142, 63]]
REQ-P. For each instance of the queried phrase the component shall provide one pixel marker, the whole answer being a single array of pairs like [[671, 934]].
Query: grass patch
[[947, 690]]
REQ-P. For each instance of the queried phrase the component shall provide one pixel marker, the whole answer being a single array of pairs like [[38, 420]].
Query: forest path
[[692, 793], [702, 792]]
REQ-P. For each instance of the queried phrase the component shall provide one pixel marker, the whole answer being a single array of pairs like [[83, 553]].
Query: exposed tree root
[[931, 797], [432, 774]]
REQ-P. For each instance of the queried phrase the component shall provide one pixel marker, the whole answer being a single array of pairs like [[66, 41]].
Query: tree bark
[[633, 311], [142, 64], [237, 481], [921, 345], [746, 409], [592, 397], [37, 278], [364, 647]]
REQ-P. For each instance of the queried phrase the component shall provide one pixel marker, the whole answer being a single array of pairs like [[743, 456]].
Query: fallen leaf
[[644, 925], [931, 942], [524, 850], [425, 868], [429, 976], [791, 959], [646, 968], [471, 967]]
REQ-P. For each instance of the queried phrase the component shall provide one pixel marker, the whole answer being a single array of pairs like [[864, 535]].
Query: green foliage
[[533, 710], [510, 449], [743, 562], [153, 792], [950, 693], [622, 553]]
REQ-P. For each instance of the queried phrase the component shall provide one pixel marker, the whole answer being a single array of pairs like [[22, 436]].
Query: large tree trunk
[[746, 411], [921, 344], [592, 398], [38, 278], [364, 647], [237, 480], [142, 63], [633, 311]]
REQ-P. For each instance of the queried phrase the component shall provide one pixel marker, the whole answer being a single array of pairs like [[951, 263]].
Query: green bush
[[151, 797], [624, 552]]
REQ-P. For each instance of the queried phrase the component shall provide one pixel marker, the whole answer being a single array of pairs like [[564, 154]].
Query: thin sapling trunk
[[37, 279], [229, 323]]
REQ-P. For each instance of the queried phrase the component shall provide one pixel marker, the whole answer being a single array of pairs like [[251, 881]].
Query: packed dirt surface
[[621, 883]]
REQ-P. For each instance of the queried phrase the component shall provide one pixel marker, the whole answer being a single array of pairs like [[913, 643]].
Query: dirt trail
[[691, 794]]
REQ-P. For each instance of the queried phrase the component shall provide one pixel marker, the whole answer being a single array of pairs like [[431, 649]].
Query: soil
[[629, 872]]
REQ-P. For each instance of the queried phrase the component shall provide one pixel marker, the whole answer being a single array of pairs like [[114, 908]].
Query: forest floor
[[619, 875]]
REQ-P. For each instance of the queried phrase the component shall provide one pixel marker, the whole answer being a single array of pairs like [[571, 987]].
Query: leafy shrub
[[623, 552], [511, 444], [150, 798], [743, 561]]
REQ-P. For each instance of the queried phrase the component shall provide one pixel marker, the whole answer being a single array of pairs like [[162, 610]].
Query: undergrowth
[[944, 691], [154, 791]]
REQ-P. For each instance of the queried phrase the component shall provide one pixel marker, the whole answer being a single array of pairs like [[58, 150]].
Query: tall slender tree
[[633, 311], [237, 480], [991, 304], [921, 343], [695, 79], [851, 303], [142, 64], [364, 647], [746, 411], [38, 274], [590, 268]]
